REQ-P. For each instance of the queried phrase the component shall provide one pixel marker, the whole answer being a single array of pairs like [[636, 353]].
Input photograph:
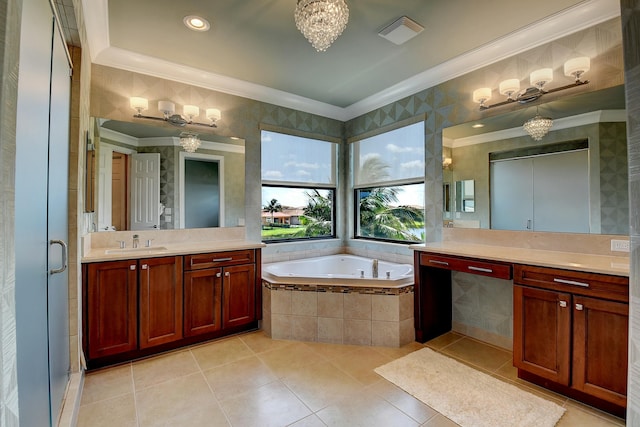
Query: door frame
[[184, 156]]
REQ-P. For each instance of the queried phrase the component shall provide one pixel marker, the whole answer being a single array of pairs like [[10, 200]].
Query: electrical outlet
[[619, 245]]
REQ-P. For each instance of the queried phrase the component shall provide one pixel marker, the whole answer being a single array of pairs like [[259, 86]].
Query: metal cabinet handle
[[132, 267], [145, 266], [579, 307], [221, 259], [571, 282], [218, 275], [563, 304], [484, 270], [65, 254], [226, 274], [433, 261]]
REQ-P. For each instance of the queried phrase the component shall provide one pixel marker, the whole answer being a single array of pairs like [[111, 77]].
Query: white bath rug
[[467, 396]]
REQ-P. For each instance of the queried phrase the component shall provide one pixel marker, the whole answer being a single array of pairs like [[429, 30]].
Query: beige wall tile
[[385, 334], [304, 303], [331, 304], [385, 307], [330, 330], [357, 306], [280, 302], [281, 326], [406, 306], [304, 328], [357, 332]]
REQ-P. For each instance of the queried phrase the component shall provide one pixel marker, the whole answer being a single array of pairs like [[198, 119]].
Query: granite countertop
[[604, 264], [169, 249]]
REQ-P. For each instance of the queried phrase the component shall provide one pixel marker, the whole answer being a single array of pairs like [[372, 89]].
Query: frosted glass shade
[[166, 107], [213, 114], [482, 95], [541, 77], [577, 66], [509, 87], [191, 111], [138, 104]]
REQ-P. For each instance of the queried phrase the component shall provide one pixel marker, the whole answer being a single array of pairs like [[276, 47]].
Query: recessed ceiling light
[[196, 23], [477, 125]]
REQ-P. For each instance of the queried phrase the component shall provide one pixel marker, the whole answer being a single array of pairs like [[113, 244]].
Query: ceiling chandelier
[[538, 126], [321, 21], [189, 141]]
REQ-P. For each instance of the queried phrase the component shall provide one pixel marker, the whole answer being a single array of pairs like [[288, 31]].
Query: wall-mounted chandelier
[[168, 110], [321, 21], [189, 141], [538, 126], [538, 79]]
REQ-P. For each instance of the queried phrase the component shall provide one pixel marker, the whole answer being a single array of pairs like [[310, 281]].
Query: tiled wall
[[9, 53], [630, 12]]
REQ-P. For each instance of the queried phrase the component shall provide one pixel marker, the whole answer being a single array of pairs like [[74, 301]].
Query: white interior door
[[145, 191]]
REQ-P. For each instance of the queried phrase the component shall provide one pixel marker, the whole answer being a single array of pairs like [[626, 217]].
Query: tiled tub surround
[[333, 313]]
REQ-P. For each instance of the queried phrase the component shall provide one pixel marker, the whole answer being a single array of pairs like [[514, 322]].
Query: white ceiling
[[255, 50]]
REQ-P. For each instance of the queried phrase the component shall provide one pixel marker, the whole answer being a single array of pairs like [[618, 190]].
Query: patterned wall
[[614, 179], [10, 12], [630, 13]]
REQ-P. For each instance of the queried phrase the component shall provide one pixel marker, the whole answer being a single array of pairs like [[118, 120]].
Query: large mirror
[[142, 178], [573, 180]]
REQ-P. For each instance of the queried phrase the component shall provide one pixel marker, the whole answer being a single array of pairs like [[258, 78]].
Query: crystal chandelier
[[321, 21], [538, 126], [190, 142]]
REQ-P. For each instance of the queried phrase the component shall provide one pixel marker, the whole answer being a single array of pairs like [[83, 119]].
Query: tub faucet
[[374, 269], [135, 240]]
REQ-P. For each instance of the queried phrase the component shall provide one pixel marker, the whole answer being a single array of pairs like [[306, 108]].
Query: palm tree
[[273, 207], [318, 217]]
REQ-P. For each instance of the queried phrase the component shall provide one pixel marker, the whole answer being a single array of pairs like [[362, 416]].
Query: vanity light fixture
[[168, 110], [538, 80]]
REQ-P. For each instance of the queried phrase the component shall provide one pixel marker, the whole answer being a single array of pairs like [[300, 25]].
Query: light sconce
[[189, 141], [168, 110], [446, 162], [538, 79]]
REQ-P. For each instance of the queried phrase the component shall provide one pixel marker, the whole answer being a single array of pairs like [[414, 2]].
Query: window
[[298, 187], [389, 185]]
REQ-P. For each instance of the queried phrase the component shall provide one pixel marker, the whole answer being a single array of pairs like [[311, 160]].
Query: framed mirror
[[144, 179], [593, 122]]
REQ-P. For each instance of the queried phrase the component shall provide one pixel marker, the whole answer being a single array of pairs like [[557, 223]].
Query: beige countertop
[[167, 249], [614, 265]]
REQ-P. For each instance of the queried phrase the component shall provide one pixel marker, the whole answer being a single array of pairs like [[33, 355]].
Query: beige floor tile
[[119, 411], [477, 353], [310, 421], [258, 342], [321, 384], [184, 401], [367, 410], [330, 351], [238, 377], [107, 383], [285, 360], [443, 340], [397, 352], [403, 401], [570, 404], [218, 353], [360, 364], [440, 421], [162, 368], [575, 417], [270, 405]]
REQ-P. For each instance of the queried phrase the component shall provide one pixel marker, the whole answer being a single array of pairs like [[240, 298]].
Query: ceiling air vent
[[401, 30]]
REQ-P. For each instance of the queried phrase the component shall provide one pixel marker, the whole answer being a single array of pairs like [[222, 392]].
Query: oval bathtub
[[345, 270]]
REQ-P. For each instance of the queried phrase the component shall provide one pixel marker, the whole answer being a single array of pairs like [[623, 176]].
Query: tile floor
[[252, 380]]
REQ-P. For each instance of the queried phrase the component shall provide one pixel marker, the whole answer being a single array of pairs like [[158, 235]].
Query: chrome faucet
[[135, 240], [374, 269]]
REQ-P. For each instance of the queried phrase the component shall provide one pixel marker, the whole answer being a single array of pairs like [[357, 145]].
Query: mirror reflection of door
[[201, 194], [119, 179]]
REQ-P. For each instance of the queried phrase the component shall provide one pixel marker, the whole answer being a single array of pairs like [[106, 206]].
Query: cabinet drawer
[[218, 259], [577, 282], [483, 268]]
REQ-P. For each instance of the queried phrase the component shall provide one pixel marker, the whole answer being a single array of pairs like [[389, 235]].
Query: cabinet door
[[160, 300], [111, 306], [239, 289], [600, 348], [541, 333], [202, 301]]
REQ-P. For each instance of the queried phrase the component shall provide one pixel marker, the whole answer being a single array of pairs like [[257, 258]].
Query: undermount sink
[[135, 250]]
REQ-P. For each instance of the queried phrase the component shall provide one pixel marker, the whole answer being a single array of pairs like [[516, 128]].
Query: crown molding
[[581, 16]]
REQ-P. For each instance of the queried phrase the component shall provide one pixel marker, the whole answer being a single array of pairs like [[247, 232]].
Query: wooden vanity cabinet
[[220, 291], [571, 332]]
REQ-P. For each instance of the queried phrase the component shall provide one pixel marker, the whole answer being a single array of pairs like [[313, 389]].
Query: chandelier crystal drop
[[190, 143], [538, 126], [321, 21]]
